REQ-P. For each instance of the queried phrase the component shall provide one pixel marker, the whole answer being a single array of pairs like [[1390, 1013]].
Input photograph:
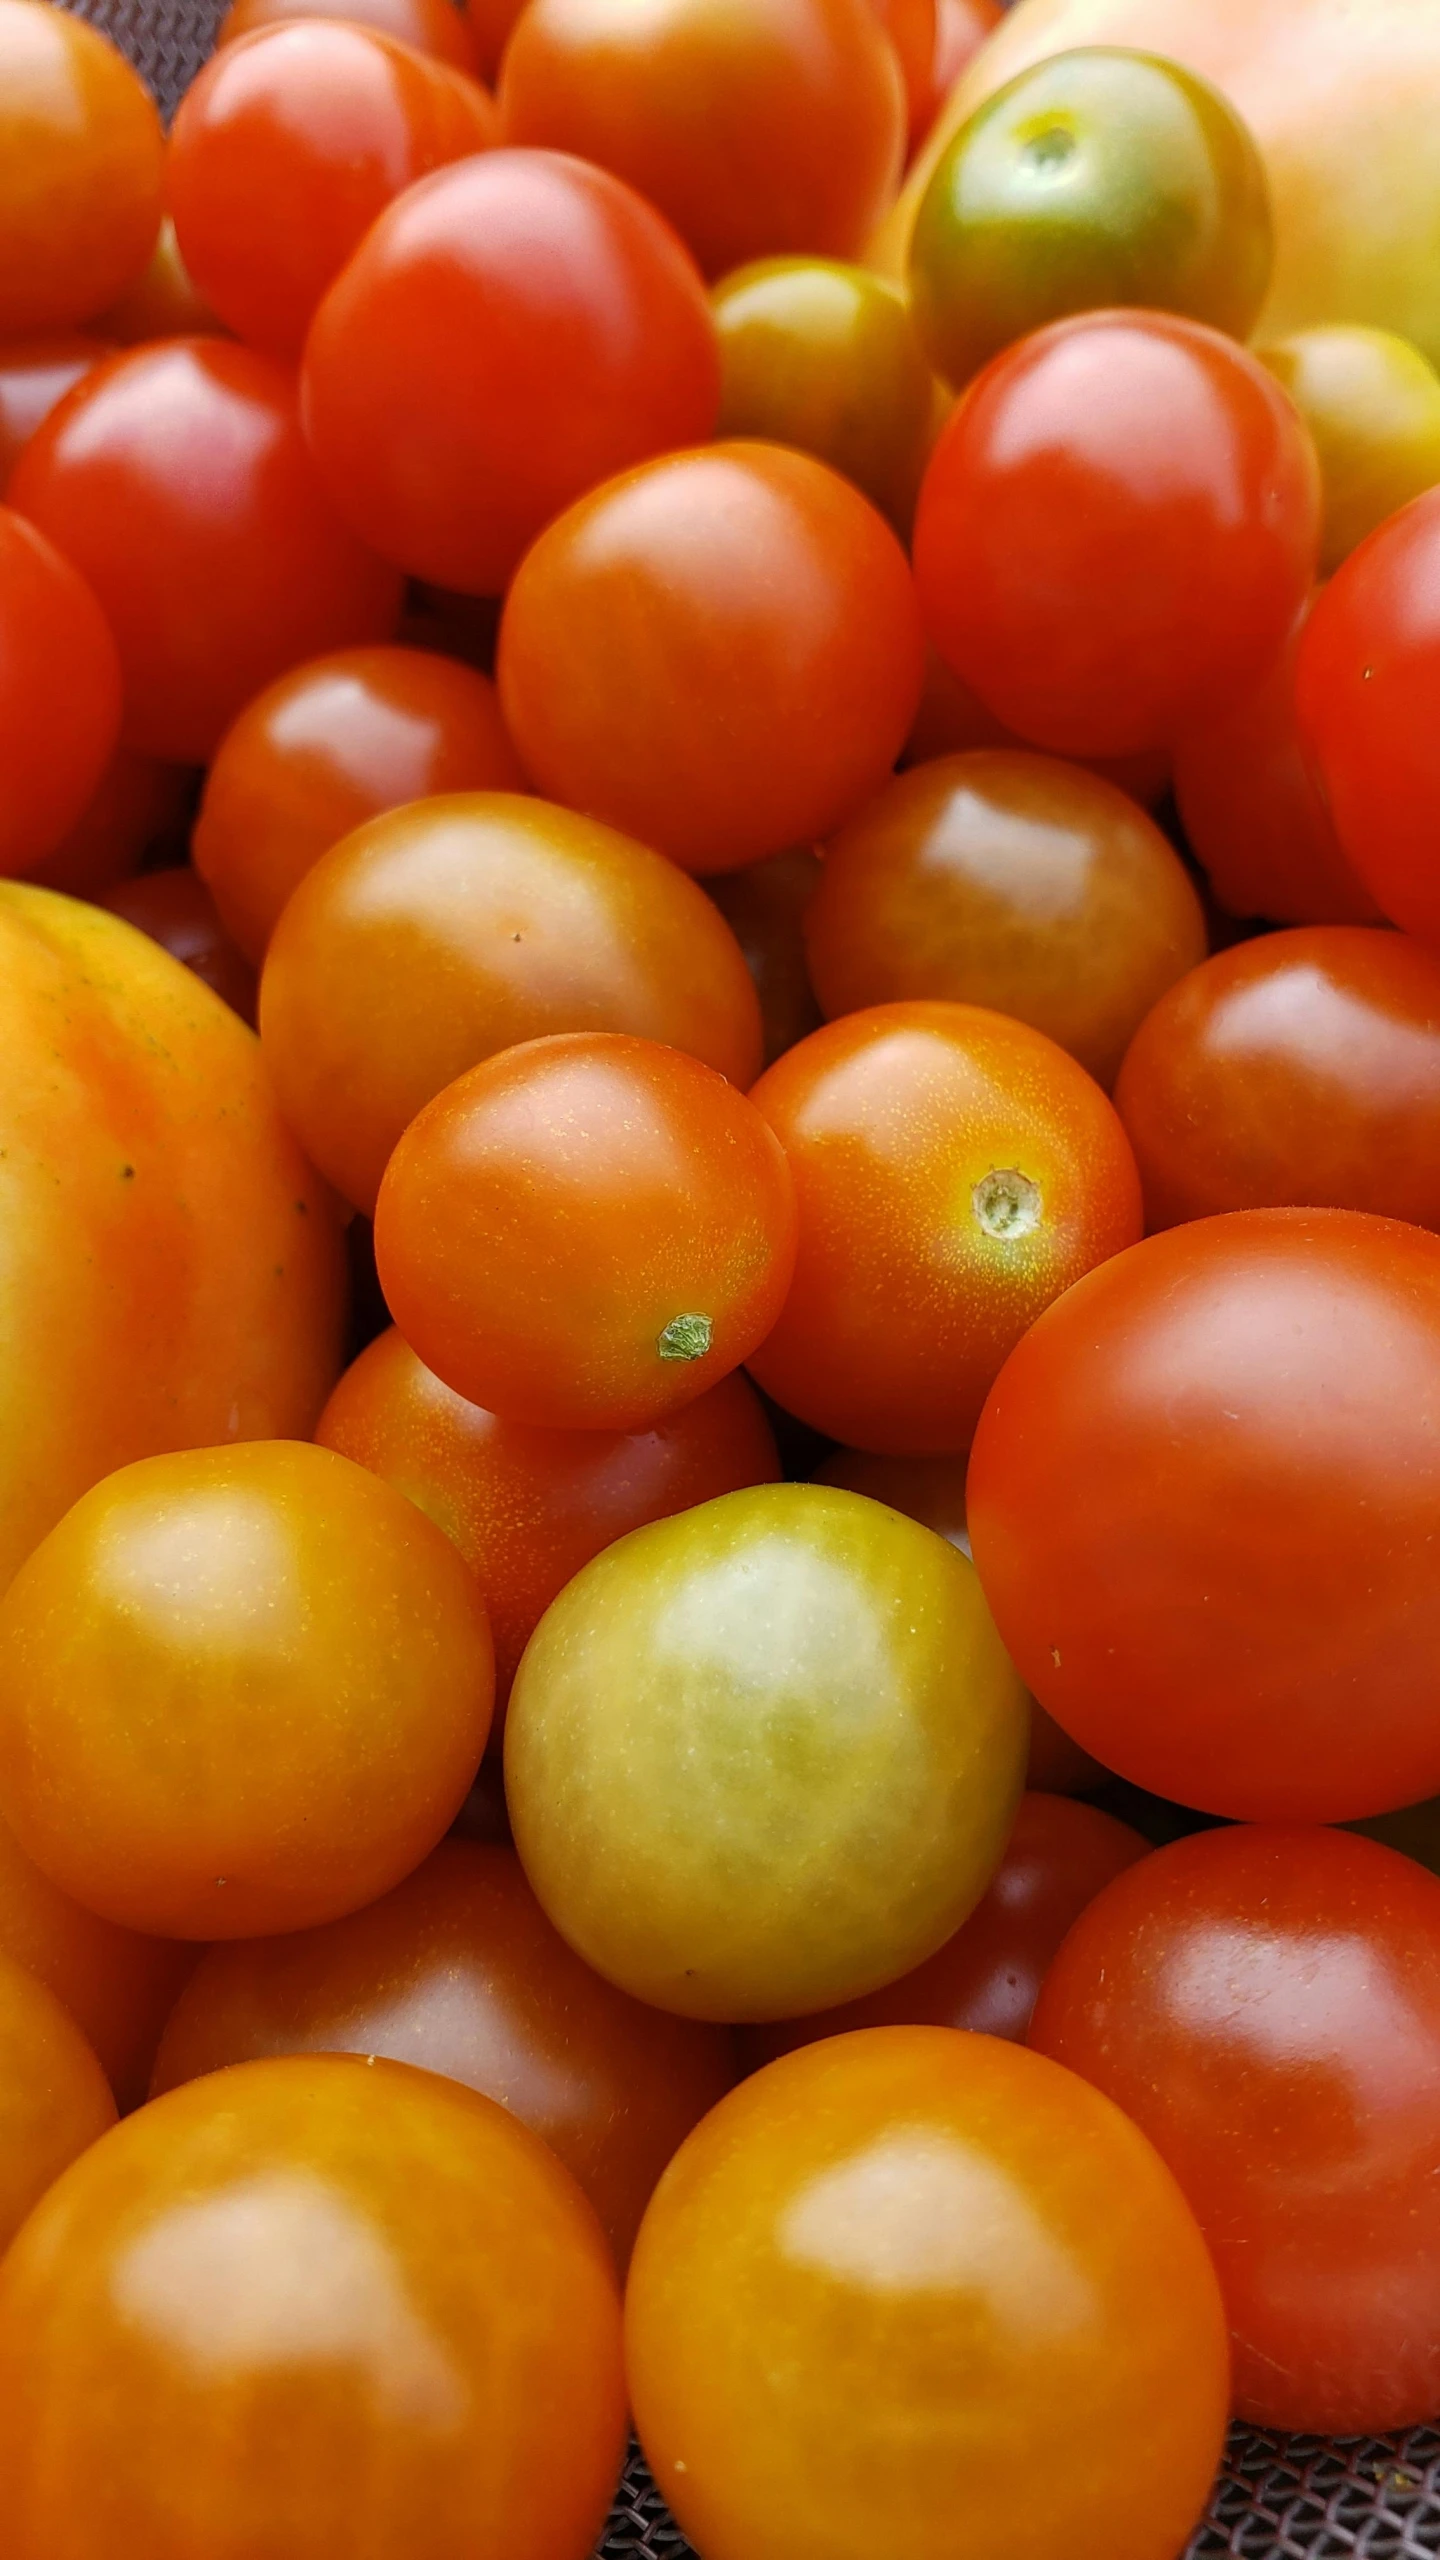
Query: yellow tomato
[[1372, 403]]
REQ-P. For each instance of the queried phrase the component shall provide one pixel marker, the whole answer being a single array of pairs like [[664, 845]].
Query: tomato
[[1098, 178], [177, 480], [720, 652], [912, 2291], [528, 1508], [911, 28], [764, 906], [822, 356], [82, 161], [1202, 1499], [34, 376], [585, 1232], [1013, 881], [54, 2098], [1302, 1069], [952, 720], [163, 302], [118, 1987], [459, 1971], [327, 746], [1265, 2005], [1372, 403], [176, 909], [1117, 530], [285, 150], [488, 24], [141, 806], [509, 333], [311, 2306], [434, 27], [760, 128], [445, 932], [314, 1654], [954, 1172], [59, 695]]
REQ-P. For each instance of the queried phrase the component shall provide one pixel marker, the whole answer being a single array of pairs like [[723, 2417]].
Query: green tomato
[[764, 1756], [1095, 179]]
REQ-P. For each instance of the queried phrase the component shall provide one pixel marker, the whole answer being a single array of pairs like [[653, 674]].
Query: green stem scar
[[1007, 1204], [686, 1338]]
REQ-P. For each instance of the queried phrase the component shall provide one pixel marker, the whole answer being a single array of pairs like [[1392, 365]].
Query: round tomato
[[54, 2098], [912, 28], [82, 161], [1372, 403], [119, 1987], [35, 375], [764, 906], [176, 909], [435, 27], [59, 695]]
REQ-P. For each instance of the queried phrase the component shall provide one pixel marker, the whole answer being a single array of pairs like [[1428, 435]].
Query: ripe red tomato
[[54, 2098], [141, 807], [488, 24], [176, 909], [719, 652], [509, 333], [118, 1986], [435, 27], [1265, 2005], [1118, 527], [1204, 1496], [952, 720], [82, 160], [585, 1232], [912, 28], [177, 480], [954, 1171], [35, 375], [59, 695]]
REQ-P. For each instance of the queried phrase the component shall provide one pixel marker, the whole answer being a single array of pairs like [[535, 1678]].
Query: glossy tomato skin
[[59, 695], [434, 27], [36, 373], [764, 1756], [764, 906], [459, 1971], [286, 148], [719, 652], [1009, 880], [140, 807], [280, 2249], [82, 160], [118, 1987], [446, 932], [54, 2098], [954, 1171], [1302, 1069], [1265, 2004], [863, 2220], [177, 480], [1273, 1366], [322, 1666], [760, 129], [528, 1508], [586, 1232], [1372, 403], [176, 909], [952, 720], [509, 334], [1117, 530]]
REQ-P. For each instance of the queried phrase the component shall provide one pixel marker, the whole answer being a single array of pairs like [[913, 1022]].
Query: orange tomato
[[54, 2098], [82, 160], [119, 1987]]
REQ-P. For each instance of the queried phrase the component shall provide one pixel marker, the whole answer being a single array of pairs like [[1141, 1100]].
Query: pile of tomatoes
[[812, 1322]]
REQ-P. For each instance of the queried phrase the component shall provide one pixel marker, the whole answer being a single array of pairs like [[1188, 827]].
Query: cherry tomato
[[918, 2292], [177, 480], [1265, 2005], [141, 806], [760, 128], [1202, 1499], [54, 2098], [1099, 177], [117, 1986], [326, 747], [434, 27], [954, 1172], [314, 1655], [1117, 529], [952, 720], [34, 376], [765, 1755], [311, 2306], [59, 695], [82, 160], [719, 652], [764, 906], [1372, 403], [1302, 1069], [489, 23], [527, 1508], [585, 1232], [459, 1971], [911, 28], [509, 333], [1013, 881], [441, 934], [176, 909], [285, 150], [163, 302]]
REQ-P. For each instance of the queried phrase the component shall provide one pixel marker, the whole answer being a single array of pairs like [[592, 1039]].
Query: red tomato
[[1118, 527], [176, 909], [34, 377], [585, 1232], [912, 28], [489, 23], [954, 1172], [285, 150], [59, 695], [435, 27], [54, 2098], [1203, 1500], [952, 720], [508, 334], [1265, 2004], [177, 480], [758, 126], [719, 652], [82, 160], [117, 1986], [142, 806]]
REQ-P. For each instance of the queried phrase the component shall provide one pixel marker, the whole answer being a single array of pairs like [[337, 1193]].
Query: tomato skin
[[35, 374], [528, 1508], [864, 2219], [1372, 403], [509, 333], [433, 27], [488, 24], [277, 2249], [177, 481], [82, 160], [719, 652], [1117, 529], [1275, 1365], [1265, 2004], [59, 695], [912, 29], [764, 906], [141, 806], [952, 720], [954, 1171], [446, 932], [961, 27], [118, 1987], [176, 909], [54, 2098]]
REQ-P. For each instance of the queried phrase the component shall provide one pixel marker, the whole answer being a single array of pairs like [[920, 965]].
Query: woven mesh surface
[[1278, 2497]]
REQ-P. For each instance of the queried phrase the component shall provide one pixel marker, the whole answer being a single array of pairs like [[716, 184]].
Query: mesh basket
[[1278, 2497]]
